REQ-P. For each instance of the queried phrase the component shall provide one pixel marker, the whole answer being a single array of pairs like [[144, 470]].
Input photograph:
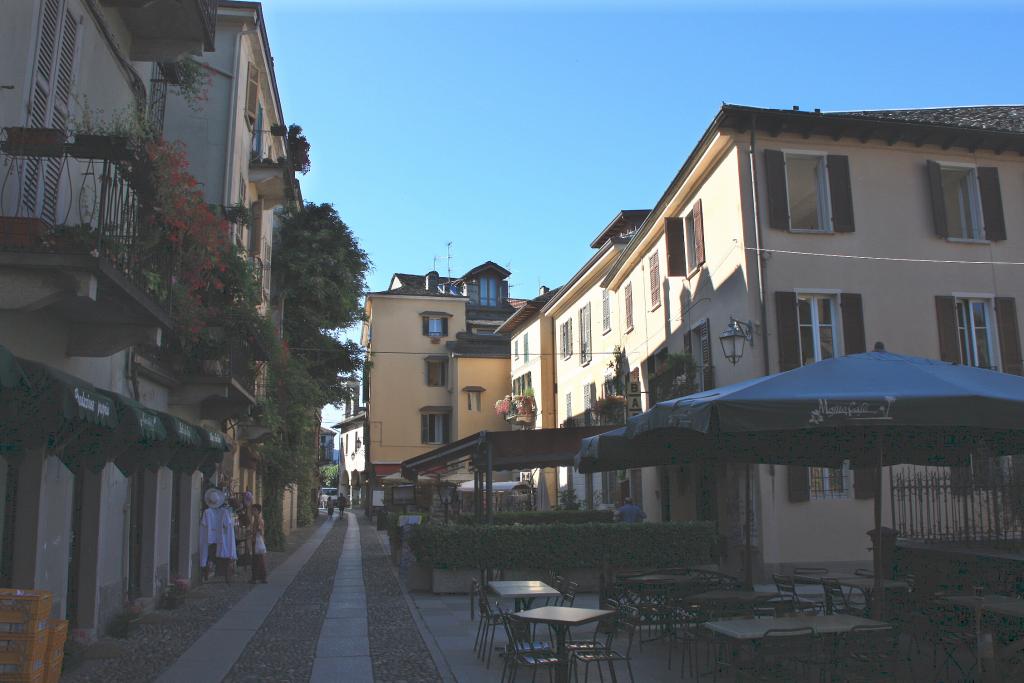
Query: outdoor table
[[823, 624], [1002, 605], [523, 592], [866, 584], [726, 597], [560, 619]]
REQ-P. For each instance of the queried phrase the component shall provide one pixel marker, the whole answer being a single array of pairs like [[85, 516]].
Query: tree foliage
[[321, 277]]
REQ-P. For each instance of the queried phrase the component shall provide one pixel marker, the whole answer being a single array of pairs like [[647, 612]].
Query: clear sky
[[516, 129]]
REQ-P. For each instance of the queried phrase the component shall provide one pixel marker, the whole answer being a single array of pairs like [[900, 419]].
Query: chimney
[[796, 107], [431, 281], [543, 290]]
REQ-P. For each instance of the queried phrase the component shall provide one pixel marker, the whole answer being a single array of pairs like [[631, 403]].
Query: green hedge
[[545, 517], [564, 546]]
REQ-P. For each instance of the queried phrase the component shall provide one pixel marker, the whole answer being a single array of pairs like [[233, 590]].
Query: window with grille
[[586, 352], [628, 295], [606, 311], [655, 273], [829, 483]]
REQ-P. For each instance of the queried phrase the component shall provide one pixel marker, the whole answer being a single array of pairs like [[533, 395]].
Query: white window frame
[[431, 332], [515, 349], [837, 328], [826, 492], [824, 191], [990, 325], [973, 199], [437, 421]]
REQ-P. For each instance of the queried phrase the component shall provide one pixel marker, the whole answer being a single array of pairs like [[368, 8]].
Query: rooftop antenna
[[449, 261]]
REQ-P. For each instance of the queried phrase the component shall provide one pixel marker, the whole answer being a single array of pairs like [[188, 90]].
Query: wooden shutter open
[[444, 327], [426, 327], [939, 219], [788, 332], [629, 306], [424, 428], [675, 245], [854, 340], [252, 92], [1009, 335], [798, 484], [778, 200], [991, 204], [698, 234], [949, 343], [256, 229], [840, 190], [864, 483]]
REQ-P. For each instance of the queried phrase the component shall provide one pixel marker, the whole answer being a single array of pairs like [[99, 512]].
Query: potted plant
[[278, 130], [189, 80], [609, 409], [117, 138], [78, 239], [102, 146], [503, 406], [237, 214], [526, 407], [34, 142], [22, 232]]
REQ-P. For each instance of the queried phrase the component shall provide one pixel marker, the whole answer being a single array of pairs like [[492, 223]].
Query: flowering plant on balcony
[[503, 405]]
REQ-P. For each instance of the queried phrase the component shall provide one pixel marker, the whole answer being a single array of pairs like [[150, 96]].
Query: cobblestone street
[[332, 611]]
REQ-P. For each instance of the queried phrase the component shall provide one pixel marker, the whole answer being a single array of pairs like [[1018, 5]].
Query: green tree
[[321, 277]]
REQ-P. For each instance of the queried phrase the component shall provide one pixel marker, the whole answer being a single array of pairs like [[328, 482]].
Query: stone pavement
[[212, 656], [343, 648]]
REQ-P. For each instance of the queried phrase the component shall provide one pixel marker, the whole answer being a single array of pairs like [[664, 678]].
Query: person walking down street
[[330, 507], [630, 512], [259, 546], [342, 504]]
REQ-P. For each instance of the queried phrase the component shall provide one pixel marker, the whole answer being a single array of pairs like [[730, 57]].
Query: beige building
[[819, 233], [436, 366], [352, 451]]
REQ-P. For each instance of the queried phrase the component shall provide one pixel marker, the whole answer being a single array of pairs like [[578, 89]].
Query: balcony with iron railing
[[166, 29], [70, 211], [268, 163], [220, 378]]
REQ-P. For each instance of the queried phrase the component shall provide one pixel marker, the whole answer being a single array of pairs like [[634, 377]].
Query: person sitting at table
[[630, 512]]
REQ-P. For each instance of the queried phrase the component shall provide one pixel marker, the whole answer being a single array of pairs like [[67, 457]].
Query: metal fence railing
[[983, 503]]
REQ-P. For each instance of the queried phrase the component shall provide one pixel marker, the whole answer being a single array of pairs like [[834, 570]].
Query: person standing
[[330, 507], [259, 546], [631, 513]]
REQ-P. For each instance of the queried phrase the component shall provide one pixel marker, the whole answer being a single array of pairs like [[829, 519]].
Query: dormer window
[[490, 290]]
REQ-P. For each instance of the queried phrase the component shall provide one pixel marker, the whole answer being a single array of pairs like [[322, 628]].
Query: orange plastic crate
[[37, 676], [58, 635], [22, 611]]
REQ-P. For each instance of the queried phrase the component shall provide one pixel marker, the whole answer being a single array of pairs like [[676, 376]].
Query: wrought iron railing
[[78, 198], [235, 362], [263, 147], [979, 504]]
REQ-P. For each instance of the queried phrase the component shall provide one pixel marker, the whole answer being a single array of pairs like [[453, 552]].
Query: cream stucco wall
[[398, 388], [493, 375], [540, 365]]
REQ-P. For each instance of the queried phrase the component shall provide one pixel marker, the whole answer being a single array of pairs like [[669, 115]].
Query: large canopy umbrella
[[873, 409]]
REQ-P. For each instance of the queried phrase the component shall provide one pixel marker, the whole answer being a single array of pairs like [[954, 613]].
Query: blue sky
[[516, 129]]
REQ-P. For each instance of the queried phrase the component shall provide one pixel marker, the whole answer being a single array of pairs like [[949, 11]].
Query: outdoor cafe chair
[[474, 589], [787, 589], [868, 653], [568, 594], [601, 650], [485, 630], [522, 651], [837, 600]]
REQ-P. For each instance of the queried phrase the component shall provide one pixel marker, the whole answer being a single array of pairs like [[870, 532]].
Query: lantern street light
[[734, 338], [446, 492]]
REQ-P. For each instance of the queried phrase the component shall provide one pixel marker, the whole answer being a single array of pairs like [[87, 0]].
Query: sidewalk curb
[[440, 662]]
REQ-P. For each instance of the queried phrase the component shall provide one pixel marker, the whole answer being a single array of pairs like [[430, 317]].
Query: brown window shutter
[[992, 204], [854, 340], [1009, 335], [444, 327], [705, 355], [840, 190], [938, 202], [698, 234], [788, 334], [654, 268], [675, 246], [629, 306], [424, 429], [798, 484], [778, 201], [949, 343], [426, 326], [864, 480], [256, 229]]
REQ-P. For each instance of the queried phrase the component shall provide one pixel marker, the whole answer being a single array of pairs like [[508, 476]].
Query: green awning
[[186, 446], [74, 399], [139, 423], [11, 374], [217, 444]]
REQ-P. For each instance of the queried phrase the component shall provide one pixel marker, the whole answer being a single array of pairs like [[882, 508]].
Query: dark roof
[[1003, 118], [487, 265], [525, 312], [625, 221], [358, 416], [416, 285]]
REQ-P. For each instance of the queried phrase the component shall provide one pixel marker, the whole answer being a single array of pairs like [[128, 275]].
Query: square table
[[560, 619], [753, 629], [523, 592], [1003, 605], [737, 597]]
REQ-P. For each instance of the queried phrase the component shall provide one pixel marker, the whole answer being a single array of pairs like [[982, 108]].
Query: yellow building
[[435, 365]]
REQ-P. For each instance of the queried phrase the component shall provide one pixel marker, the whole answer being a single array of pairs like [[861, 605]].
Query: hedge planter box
[[453, 580], [419, 578]]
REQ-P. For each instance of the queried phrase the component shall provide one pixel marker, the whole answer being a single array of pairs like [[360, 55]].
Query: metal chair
[[868, 653], [474, 588], [787, 589], [780, 655], [601, 650], [837, 601], [522, 651], [568, 594], [489, 622]]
